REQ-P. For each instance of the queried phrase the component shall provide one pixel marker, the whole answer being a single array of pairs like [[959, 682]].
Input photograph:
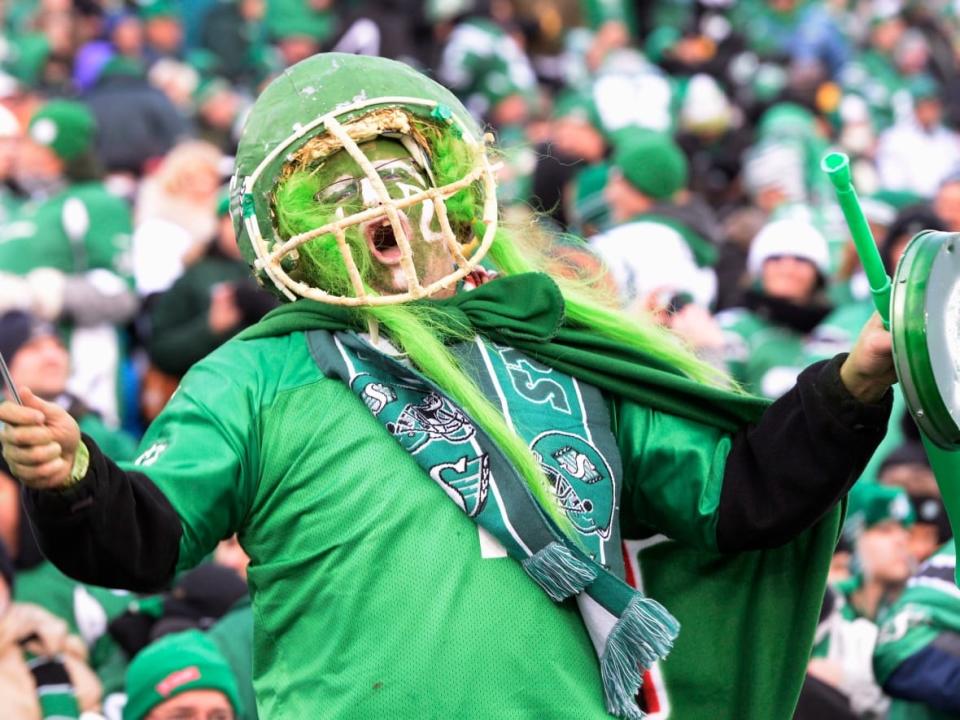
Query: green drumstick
[[837, 167]]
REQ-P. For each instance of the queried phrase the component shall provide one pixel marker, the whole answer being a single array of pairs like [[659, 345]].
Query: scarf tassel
[[558, 571], [644, 634]]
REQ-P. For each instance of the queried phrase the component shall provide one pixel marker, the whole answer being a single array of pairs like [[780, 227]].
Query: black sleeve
[[114, 528], [803, 455]]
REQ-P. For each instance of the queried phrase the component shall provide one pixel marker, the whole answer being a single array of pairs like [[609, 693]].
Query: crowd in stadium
[[666, 153]]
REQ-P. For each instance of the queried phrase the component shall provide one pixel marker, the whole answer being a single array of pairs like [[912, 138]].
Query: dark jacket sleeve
[[114, 528], [930, 676], [803, 455]]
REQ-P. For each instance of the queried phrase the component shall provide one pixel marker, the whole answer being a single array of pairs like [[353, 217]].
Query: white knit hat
[[788, 237]]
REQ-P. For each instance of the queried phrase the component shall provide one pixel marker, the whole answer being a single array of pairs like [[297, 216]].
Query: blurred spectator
[[918, 153], [842, 663], [908, 467], [175, 215], [213, 300], [648, 238], [177, 80], [575, 139], [181, 676], [946, 203], [233, 31], [218, 108], [767, 339], [136, 122], [917, 658], [482, 63], [198, 599], [877, 525], [43, 673], [163, 30], [66, 258], [39, 360], [802, 33]]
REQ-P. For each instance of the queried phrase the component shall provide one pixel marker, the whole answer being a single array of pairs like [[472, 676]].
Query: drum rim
[[909, 324]]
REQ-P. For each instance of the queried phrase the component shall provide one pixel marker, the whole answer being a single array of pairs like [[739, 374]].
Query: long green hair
[[423, 334]]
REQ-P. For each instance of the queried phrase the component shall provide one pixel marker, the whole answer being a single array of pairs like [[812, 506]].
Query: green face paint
[[342, 184]]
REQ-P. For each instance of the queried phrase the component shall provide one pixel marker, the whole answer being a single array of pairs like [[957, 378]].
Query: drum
[[925, 324]]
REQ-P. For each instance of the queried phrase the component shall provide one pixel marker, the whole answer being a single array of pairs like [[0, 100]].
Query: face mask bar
[[269, 260]]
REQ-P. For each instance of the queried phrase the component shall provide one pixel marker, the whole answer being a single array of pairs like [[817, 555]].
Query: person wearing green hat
[[878, 518], [181, 676], [162, 30], [919, 152], [842, 657], [648, 173], [64, 255], [916, 658]]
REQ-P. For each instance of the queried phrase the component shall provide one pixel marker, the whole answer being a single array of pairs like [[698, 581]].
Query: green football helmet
[[334, 102]]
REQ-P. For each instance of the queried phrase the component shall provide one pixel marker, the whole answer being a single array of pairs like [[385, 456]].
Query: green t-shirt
[[375, 596]]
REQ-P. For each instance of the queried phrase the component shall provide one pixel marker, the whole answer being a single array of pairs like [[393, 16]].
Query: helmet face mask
[[379, 231]]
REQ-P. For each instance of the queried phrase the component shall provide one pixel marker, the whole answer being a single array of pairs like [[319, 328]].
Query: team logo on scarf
[[581, 478]]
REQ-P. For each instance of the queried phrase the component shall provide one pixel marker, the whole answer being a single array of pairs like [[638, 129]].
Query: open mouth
[[382, 240]]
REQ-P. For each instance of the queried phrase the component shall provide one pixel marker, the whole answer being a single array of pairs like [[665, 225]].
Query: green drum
[[925, 323]]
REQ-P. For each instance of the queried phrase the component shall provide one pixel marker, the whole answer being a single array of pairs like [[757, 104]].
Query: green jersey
[[929, 607], [375, 596]]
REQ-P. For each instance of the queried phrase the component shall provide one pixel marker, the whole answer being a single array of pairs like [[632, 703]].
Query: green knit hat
[[64, 126], [652, 162], [870, 504], [173, 665]]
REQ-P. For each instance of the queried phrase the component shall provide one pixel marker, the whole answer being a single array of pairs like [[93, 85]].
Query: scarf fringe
[[644, 634], [558, 571]]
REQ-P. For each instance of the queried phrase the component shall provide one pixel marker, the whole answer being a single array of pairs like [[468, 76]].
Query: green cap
[[158, 9], [652, 162], [173, 665], [870, 504], [64, 126]]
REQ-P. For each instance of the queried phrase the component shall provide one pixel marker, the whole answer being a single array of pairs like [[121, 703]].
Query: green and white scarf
[[55, 692], [567, 427]]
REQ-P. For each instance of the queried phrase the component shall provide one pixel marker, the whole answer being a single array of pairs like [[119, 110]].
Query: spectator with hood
[[768, 339]]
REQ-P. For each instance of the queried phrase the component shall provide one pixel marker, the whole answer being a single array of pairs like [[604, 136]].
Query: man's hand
[[868, 371], [39, 441]]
